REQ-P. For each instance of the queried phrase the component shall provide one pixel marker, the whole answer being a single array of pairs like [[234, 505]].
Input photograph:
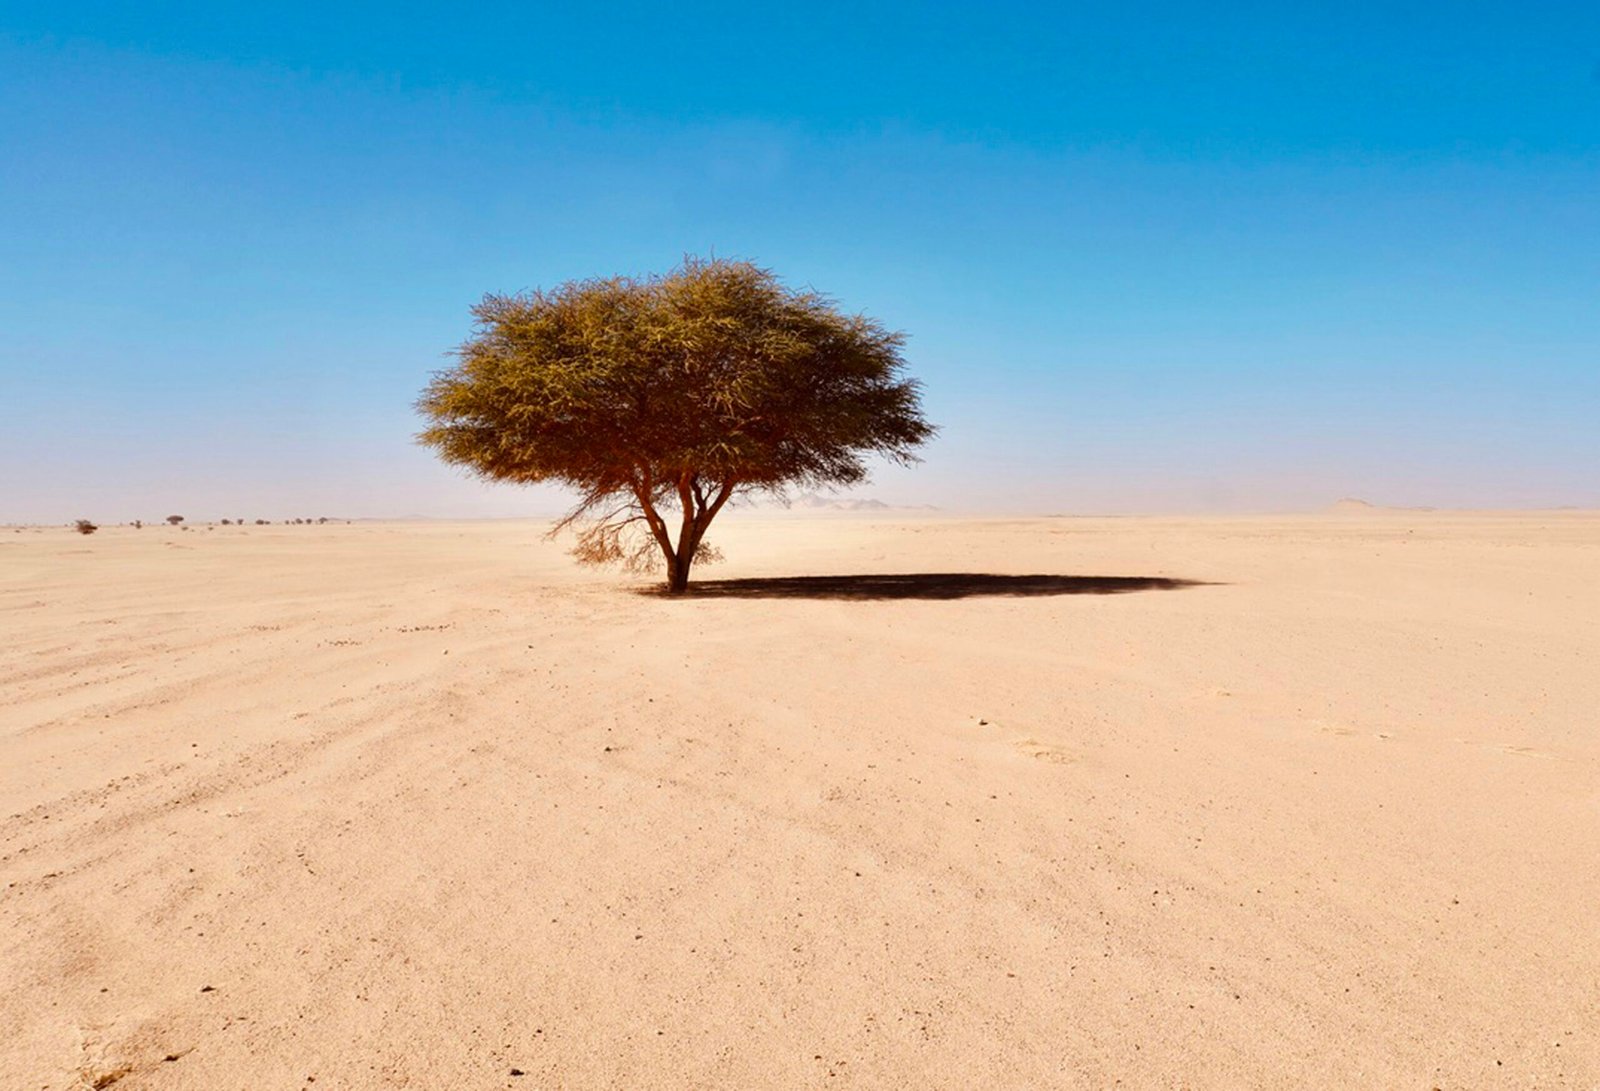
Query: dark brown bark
[[677, 577], [698, 509]]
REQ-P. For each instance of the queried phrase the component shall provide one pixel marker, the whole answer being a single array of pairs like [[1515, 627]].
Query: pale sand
[[421, 804]]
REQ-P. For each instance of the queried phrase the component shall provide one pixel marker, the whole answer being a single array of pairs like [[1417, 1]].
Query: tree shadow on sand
[[929, 585]]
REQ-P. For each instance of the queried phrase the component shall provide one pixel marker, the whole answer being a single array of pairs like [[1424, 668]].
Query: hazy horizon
[[1149, 260], [554, 506]]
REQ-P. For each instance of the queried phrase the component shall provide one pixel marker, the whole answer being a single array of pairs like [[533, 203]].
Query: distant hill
[[1351, 505], [814, 502], [827, 503]]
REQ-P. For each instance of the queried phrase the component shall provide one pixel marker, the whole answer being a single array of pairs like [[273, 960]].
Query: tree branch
[[658, 527], [686, 529]]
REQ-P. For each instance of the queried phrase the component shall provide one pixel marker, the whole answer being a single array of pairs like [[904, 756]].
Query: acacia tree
[[661, 398]]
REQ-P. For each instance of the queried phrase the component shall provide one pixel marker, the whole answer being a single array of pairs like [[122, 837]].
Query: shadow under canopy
[[928, 585]]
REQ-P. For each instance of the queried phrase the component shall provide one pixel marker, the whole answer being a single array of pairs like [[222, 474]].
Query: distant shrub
[[138, 524], [174, 519], [83, 526], [261, 522], [226, 523]]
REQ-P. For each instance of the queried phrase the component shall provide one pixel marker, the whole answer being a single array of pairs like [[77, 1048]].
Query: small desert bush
[[83, 526]]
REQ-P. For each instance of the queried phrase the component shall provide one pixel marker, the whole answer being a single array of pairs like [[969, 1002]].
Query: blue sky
[[1151, 257]]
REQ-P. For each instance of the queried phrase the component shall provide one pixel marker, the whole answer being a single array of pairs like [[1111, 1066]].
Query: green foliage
[[673, 391]]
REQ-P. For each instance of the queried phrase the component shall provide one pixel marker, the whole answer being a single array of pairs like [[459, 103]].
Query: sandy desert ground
[[428, 806]]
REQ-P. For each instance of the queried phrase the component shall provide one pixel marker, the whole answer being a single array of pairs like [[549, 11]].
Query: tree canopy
[[660, 398]]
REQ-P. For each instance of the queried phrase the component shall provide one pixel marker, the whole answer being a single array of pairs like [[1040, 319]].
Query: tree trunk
[[678, 575], [682, 557], [697, 510]]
